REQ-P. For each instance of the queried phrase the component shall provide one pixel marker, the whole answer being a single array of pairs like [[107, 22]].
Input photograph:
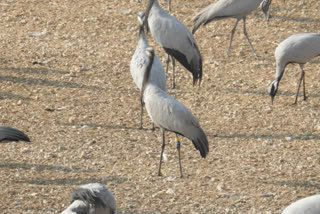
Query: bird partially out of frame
[[238, 9], [308, 205], [175, 38], [171, 115], [298, 48], [93, 198], [139, 62], [11, 134]]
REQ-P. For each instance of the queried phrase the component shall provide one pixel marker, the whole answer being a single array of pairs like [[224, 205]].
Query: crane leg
[[168, 61], [169, 6], [303, 83], [245, 33], [141, 114], [231, 37], [153, 128], [298, 88], [173, 72], [162, 149], [178, 149]]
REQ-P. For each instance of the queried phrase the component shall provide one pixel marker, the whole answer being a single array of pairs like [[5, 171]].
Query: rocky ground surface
[[65, 81]]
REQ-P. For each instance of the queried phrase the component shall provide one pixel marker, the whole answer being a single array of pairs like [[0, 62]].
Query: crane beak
[[272, 97]]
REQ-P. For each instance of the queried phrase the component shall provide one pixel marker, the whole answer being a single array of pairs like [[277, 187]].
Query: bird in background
[[238, 9], [298, 48], [308, 205], [175, 38], [11, 134], [169, 6], [171, 115], [93, 198], [139, 62], [265, 4]]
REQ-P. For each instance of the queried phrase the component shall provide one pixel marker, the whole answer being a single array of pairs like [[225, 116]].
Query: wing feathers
[[12, 134]]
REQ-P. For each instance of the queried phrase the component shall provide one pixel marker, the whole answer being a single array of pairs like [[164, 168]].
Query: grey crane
[[298, 48], [221, 9], [177, 41], [171, 115], [93, 198], [310, 205], [140, 60], [11, 134]]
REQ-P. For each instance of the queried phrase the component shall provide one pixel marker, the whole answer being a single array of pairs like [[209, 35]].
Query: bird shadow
[[306, 184], [35, 81], [269, 136], [75, 181], [33, 70], [94, 125], [265, 92], [10, 96], [40, 167]]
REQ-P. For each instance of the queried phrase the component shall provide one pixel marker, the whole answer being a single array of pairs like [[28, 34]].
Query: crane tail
[[12, 134], [200, 142], [194, 66], [201, 18]]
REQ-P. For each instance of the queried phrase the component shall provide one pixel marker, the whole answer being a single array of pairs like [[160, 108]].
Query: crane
[[93, 198], [171, 115], [175, 38], [310, 205], [221, 9], [140, 60], [11, 134], [298, 48]]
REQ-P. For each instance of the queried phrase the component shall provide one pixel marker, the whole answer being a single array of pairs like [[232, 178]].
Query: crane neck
[[147, 73], [150, 5], [142, 35]]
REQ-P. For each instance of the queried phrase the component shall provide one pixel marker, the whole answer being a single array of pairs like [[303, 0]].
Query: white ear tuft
[[141, 18], [149, 51]]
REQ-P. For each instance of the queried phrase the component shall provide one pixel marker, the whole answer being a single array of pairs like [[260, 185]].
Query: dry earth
[[65, 81]]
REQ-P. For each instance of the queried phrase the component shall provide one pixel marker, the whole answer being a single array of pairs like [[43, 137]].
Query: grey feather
[[11, 134]]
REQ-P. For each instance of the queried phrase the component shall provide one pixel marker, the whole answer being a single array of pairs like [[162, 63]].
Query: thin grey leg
[[245, 33], [231, 37], [168, 61], [169, 6], [141, 114], [173, 72], [303, 83], [298, 88], [162, 149], [179, 156]]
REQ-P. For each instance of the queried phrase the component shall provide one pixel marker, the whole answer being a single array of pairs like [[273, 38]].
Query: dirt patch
[[65, 81]]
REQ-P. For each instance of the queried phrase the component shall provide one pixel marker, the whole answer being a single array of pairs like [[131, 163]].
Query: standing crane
[[11, 134], [310, 205], [222, 9], [171, 115], [175, 38], [93, 198], [139, 62], [298, 48]]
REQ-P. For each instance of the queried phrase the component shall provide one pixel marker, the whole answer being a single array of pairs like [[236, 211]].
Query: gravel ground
[[65, 81]]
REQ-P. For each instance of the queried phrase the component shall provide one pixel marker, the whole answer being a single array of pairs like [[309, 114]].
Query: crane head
[[273, 88]]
